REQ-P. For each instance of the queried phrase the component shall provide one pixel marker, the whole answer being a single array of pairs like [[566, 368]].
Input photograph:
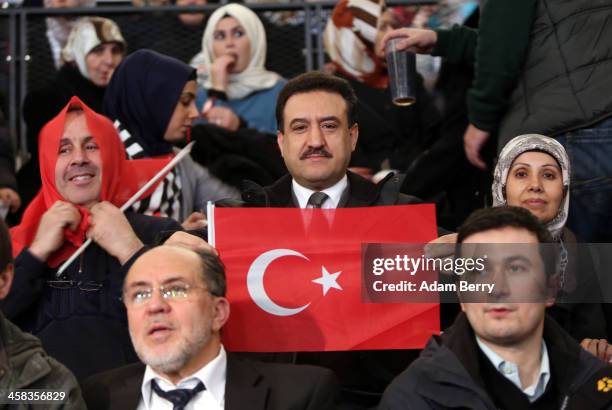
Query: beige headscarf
[[255, 77], [89, 32]]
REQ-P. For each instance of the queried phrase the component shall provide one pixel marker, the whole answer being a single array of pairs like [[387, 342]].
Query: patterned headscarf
[[533, 142], [349, 40], [88, 33], [254, 77]]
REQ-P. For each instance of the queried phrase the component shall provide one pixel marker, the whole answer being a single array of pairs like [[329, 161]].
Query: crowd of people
[[122, 305]]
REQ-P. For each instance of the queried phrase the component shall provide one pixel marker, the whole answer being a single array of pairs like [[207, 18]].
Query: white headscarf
[[255, 77], [88, 33], [533, 142]]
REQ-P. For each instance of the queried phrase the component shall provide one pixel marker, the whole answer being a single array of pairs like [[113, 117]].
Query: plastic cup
[[401, 66]]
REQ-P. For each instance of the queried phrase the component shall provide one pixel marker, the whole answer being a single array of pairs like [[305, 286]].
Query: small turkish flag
[[294, 278]]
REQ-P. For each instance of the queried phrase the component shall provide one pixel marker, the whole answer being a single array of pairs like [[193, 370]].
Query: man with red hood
[[85, 179]]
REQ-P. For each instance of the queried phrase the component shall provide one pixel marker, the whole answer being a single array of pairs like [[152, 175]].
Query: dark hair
[[510, 216], [213, 272], [317, 81], [6, 250]]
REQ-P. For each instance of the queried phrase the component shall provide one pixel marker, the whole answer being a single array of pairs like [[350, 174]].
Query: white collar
[[334, 192], [511, 372], [213, 375]]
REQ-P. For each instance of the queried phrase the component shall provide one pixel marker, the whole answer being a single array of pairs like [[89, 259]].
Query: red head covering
[[120, 178]]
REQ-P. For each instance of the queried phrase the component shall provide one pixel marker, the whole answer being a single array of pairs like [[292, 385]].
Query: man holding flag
[[318, 131], [85, 178]]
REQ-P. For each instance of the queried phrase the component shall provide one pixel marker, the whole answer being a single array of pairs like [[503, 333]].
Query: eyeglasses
[[88, 286], [174, 292]]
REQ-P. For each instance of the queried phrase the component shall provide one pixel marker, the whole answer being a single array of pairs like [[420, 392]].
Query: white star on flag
[[328, 280]]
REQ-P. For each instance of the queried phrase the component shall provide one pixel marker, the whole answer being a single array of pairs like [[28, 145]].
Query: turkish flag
[[294, 278]]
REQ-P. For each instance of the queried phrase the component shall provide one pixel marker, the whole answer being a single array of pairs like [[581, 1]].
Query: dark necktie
[[179, 397], [317, 199]]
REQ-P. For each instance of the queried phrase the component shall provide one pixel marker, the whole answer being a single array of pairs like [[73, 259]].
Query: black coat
[[449, 374], [86, 330], [360, 193], [249, 385]]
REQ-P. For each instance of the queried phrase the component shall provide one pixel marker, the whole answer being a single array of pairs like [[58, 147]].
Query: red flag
[[294, 278]]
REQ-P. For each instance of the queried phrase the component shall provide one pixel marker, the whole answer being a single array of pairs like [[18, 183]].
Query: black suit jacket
[[249, 385]]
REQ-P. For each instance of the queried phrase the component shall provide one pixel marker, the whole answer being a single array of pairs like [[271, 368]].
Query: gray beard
[[179, 355]]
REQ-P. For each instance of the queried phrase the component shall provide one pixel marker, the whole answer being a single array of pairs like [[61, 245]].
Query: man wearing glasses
[[175, 299], [78, 315]]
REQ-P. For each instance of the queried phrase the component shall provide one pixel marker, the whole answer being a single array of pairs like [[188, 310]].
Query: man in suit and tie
[[176, 305], [318, 132]]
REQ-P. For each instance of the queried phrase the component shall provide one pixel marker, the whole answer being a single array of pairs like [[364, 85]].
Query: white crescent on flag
[[255, 282]]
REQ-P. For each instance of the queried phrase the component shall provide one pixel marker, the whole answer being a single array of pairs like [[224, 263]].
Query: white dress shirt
[[511, 371], [212, 375], [334, 193]]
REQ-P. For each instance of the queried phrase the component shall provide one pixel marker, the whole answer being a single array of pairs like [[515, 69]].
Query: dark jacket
[[249, 385], [79, 317], [360, 193], [578, 308], [562, 87], [7, 162], [447, 374], [25, 365]]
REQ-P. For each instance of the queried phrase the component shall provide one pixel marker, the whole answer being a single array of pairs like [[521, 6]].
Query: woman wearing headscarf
[[151, 99], [390, 136], [50, 35], [236, 91], [533, 172], [93, 50]]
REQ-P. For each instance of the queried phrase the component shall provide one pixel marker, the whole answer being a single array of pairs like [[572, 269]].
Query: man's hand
[[473, 141], [219, 71], [442, 248], [197, 220], [11, 198], [185, 240], [223, 117], [599, 348], [110, 229], [50, 234], [414, 40]]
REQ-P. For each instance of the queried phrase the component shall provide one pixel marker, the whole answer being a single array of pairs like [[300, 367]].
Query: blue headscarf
[[142, 95]]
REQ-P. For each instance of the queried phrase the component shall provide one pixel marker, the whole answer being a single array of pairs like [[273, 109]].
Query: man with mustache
[[85, 178], [503, 352], [317, 132], [176, 305]]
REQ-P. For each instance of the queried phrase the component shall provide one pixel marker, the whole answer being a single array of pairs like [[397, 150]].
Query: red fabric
[[338, 320], [120, 179]]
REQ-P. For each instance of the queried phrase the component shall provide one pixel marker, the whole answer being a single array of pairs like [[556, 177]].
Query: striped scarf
[[167, 198]]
